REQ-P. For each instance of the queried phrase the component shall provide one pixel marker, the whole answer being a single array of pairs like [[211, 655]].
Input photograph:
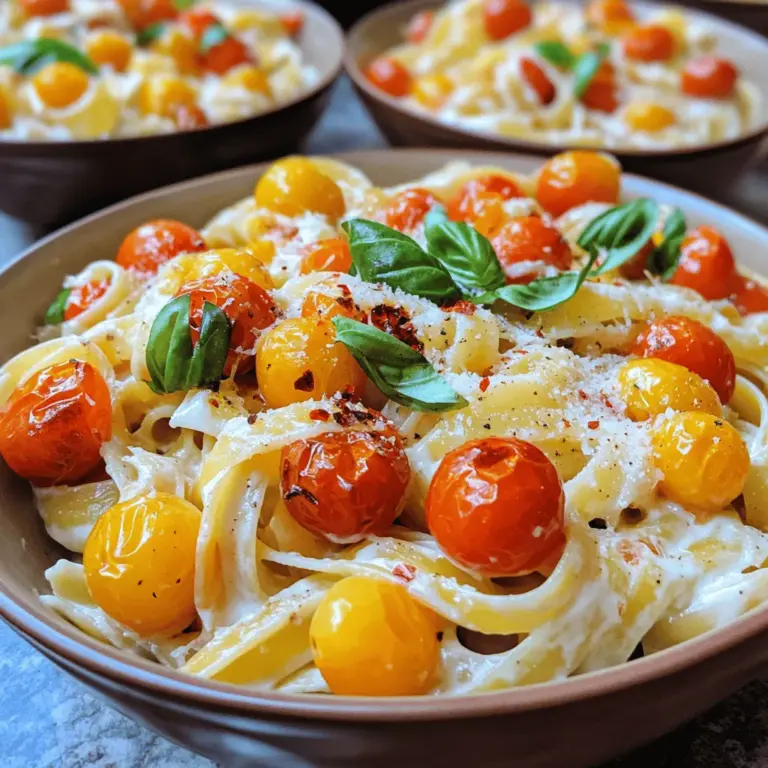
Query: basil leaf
[[182, 5], [584, 71], [214, 35], [401, 373], [29, 56], [556, 53], [467, 255], [665, 257], [174, 363], [55, 313], [150, 34], [384, 255]]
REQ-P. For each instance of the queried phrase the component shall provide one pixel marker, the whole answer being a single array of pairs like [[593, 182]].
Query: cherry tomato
[[189, 117], [152, 244], [53, 426], [635, 268], [43, 7], [292, 22], [496, 506], [226, 55], [577, 177], [749, 296], [249, 308], [108, 48], [526, 244], [610, 16], [408, 209], [601, 94], [81, 297], [684, 341], [432, 91], [503, 18], [649, 117], [60, 84], [143, 13], [649, 43], [708, 77], [317, 303], [419, 26], [332, 255], [537, 78], [390, 76], [197, 20], [480, 202], [706, 264], [345, 485]]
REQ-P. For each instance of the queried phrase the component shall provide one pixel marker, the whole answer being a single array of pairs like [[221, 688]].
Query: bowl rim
[[312, 11], [358, 32], [72, 647]]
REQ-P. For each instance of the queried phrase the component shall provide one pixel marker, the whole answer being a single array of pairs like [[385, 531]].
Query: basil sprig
[[55, 312], [583, 67], [151, 33], [556, 53], [29, 56], [665, 257], [399, 371], [214, 35], [182, 5], [174, 363]]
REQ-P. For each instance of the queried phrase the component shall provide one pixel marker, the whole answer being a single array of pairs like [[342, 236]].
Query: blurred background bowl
[[49, 183], [752, 14]]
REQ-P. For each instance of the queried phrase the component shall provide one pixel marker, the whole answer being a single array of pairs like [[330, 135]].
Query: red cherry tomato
[[143, 13], [503, 18], [197, 20], [82, 296], [635, 268], [749, 296], [389, 76], [706, 264], [189, 117], [228, 54], [152, 244], [686, 342], [53, 426], [345, 485], [537, 78], [649, 43], [496, 506], [408, 209], [43, 7], [332, 255], [601, 94], [480, 201], [419, 26], [708, 77], [293, 22]]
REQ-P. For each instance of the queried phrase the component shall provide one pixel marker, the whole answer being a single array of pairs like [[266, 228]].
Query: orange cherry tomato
[[503, 18], [326, 306], [708, 77], [526, 245], [228, 54], [610, 16], [345, 485], [390, 76], [143, 13], [332, 255], [408, 209], [749, 296], [649, 42], [53, 426], [635, 268], [706, 264], [293, 23], [152, 244], [43, 7], [577, 177], [480, 201], [601, 94], [197, 20], [684, 341], [189, 117], [82, 296], [537, 78], [419, 26], [496, 506], [249, 308]]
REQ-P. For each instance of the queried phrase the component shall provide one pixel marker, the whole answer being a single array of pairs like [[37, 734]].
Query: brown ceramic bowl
[[49, 183], [710, 167], [573, 723]]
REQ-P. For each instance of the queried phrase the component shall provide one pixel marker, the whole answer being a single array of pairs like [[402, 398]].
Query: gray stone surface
[[49, 721]]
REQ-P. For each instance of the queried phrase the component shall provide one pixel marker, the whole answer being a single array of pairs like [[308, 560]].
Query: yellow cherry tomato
[[703, 459], [107, 48], [294, 185], [164, 94], [300, 359], [246, 262], [648, 117], [249, 77], [649, 386], [140, 563], [5, 112], [431, 91], [182, 49], [371, 638], [60, 84]]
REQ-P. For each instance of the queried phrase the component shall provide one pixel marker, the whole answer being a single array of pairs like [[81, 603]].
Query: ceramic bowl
[[752, 14], [710, 167], [49, 183], [576, 722]]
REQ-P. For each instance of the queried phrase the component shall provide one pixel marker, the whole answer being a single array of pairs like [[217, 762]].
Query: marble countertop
[[49, 721]]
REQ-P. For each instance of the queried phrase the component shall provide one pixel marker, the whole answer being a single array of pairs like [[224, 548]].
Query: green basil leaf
[[604, 49], [467, 255], [55, 313], [665, 257], [183, 5], [384, 255], [584, 71], [400, 372], [174, 363], [150, 34], [29, 56], [556, 53], [214, 35]]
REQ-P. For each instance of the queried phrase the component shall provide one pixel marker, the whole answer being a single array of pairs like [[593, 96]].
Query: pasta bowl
[[708, 166], [238, 726], [49, 183]]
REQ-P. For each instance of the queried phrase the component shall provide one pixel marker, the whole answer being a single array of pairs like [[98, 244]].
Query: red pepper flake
[[305, 382], [319, 414], [396, 322], [593, 424], [566, 423], [345, 289], [215, 403], [484, 384], [540, 333], [462, 306], [404, 571], [605, 400], [583, 395]]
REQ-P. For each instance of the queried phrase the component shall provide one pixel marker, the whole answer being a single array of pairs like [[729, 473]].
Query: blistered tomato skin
[[496, 507], [390, 76], [332, 255], [706, 264], [227, 55], [748, 296], [480, 202], [650, 386], [408, 209], [503, 18], [687, 342], [371, 638], [708, 77], [577, 177], [318, 303], [139, 563], [703, 460], [345, 485], [53, 426], [83, 296], [248, 307], [149, 246], [649, 43]]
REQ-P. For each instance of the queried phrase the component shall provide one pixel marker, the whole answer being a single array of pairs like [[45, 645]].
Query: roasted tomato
[[649, 42], [390, 76], [503, 18], [537, 79], [419, 26], [749, 296], [708, 77], [149, 246], [526, 245], [610, 16], [496, 506], [480, 202], [226, 55], [292, 22], [328, 304], [249, 308], [140, 563], [687, 342], [345, 485], [81, 297], [108, 48], [143, 13], [332, 255], [43, 7], [648, 117], [60, 84], [197, 21], [408, 209], [706, 264], [602, 91], [53, 426]]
